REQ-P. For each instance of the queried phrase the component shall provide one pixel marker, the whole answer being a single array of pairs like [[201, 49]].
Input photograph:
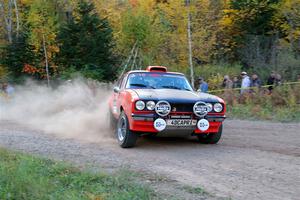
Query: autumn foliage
[[257, 36]]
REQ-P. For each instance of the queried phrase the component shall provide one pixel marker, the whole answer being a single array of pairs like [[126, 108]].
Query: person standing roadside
[[245, 83], [271, 81], [255, 83], [228, 93], [278, 80], [236, 82], [8, 89], [227, 82], [203, 86]]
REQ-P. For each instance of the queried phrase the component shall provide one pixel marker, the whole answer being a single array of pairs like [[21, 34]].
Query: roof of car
[[145, 71]]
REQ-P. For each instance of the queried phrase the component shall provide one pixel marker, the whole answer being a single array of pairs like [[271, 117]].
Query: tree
[[206, 18], [174, 17], [42, 23], [189, 31], [9, 8], [248, 22], [86, 44], [288, 19], [19, 57]]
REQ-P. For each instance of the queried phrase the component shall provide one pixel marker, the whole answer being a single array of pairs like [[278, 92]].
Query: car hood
[[174, 96]]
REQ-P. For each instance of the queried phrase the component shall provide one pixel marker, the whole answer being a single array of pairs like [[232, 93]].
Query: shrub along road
[[254, 160]]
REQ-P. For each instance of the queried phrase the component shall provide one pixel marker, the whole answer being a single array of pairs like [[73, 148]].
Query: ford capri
[[162, 103]]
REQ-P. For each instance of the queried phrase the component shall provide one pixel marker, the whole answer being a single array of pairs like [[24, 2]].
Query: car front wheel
[[126, 138], [210, 138]]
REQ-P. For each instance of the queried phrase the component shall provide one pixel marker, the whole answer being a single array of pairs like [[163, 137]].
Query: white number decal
[[203, 125], [160, 124]]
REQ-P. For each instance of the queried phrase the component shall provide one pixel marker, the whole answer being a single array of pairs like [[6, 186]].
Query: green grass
[[28, 177], [196, 190], [280, 114]]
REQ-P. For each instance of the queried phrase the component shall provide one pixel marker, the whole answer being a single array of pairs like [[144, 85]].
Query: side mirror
[[116, 89]]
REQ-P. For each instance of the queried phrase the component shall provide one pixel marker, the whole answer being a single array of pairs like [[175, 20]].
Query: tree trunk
[[276, 50], [257, 48], [17, 17], [129, 58], [46, 60], [133, 66], [190, 47], [7, 19], [292, 25]]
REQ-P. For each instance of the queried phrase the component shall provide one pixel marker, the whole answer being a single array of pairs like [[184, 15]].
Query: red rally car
[[157, 102]]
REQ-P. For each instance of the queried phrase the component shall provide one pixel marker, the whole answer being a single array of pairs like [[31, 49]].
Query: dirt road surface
[[254, 160]]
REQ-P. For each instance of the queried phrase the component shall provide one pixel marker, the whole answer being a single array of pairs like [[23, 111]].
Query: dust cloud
[[75, 109]]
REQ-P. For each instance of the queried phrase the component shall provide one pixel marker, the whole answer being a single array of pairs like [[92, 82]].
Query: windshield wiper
[[141, 85], [170, 87], [138, 85], [174, 87]]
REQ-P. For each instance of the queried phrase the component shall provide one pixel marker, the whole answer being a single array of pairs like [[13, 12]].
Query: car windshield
[[157, 80]]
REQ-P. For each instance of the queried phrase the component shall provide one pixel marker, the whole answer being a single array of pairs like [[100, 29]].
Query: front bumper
[[144, 123]]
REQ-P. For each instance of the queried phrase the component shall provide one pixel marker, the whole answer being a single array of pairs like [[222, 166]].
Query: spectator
[[271, 81], [255, 81], [278, 80], [245, 83], [228, 93], [4, 88], [8, 89], [203, 86], [236, 82], [227, 82], [298, 78]]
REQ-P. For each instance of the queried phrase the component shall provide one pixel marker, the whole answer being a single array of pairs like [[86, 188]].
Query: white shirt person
[[246, 82]]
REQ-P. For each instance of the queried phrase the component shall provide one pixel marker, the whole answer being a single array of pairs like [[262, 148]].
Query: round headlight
[[140, 105], [218, 107], [210, 107], [163, 108], [150, 105]]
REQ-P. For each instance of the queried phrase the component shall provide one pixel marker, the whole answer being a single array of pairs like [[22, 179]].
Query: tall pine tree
[[86, 44], [17, 56]]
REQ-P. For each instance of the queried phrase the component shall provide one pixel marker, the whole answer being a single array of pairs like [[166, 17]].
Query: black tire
[[211, 138], [125, 137]]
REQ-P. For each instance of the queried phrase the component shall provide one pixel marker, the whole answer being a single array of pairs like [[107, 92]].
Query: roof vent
[[156, 69]]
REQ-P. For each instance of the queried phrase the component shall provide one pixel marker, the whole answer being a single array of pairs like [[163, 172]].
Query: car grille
[[178, 107]]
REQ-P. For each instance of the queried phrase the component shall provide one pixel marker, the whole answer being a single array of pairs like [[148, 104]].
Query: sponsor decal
[[160, 124], [162, 108], [203, 125], [201, 109]]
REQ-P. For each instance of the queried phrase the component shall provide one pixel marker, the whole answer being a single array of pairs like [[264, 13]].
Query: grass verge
[[257, 112], [196, 190], [28, 177]]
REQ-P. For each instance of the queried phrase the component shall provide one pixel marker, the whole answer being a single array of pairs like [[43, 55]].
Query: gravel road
[[254, 160]]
